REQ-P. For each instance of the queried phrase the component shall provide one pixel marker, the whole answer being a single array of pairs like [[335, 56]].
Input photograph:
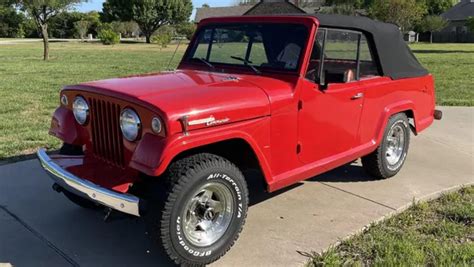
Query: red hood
[[195, 93]]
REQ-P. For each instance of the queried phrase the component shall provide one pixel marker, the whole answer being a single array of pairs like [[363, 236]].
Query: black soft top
[[395, 59]]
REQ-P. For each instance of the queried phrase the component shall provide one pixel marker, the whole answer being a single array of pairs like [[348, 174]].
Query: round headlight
[[130, 124], [156, 125], [80, 110]]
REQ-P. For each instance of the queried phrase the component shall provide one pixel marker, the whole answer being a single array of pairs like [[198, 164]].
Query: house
[[264, 7], [457, 30], [211, 12], [270, 7]]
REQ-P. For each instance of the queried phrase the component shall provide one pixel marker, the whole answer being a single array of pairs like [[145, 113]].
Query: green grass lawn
[[436, 233], [452, 66], [29, 86]]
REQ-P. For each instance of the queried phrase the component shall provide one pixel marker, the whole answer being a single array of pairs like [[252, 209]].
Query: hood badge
[[210, 121], [232, 78]]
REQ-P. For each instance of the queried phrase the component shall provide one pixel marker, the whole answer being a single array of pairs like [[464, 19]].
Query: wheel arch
[[407, 107], [236, 150]]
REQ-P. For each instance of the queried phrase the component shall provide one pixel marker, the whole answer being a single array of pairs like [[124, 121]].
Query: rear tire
[[388, 159], [203, 212]]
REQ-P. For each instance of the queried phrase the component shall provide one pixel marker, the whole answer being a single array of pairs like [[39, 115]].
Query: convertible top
[[395, 59]]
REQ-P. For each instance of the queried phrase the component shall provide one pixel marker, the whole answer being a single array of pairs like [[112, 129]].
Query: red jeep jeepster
[[289, 96]]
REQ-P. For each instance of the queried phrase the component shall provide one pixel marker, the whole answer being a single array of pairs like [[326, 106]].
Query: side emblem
[[211, 121]]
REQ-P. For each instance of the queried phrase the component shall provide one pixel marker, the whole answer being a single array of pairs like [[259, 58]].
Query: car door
[[331, 98]]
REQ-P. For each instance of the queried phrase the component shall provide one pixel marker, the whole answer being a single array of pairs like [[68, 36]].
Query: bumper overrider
[[125, 203]]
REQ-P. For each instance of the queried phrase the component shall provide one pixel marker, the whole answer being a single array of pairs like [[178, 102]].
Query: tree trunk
[[148, 38], [44, 32]]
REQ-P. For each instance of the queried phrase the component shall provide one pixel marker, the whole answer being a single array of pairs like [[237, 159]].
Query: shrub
[[186, 29], [163, 39], [470, 24], [108, 37]]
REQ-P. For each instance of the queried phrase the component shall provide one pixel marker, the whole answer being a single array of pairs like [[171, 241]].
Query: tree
[[82, 27], [437, 7], [432, 24], [404, 13], [470, 24], [246, 2], [186, 29], [356, 4], [10, 22], [150, 15], [341, 9], [131, 28], [63, 24], [42, 11]]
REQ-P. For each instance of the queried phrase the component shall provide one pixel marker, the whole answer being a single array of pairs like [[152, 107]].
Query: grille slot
[[106, 134]]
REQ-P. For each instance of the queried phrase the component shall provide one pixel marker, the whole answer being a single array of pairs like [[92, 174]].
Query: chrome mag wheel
[[395, 145], [208, 214]]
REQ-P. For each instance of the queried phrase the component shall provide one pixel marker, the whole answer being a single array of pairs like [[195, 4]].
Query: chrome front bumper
[[125, 203]]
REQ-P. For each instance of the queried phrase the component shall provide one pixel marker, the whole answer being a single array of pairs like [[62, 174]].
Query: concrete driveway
[[39, 227]]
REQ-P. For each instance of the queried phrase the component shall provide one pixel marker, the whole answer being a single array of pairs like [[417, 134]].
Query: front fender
[[65, 127], [154, 154]]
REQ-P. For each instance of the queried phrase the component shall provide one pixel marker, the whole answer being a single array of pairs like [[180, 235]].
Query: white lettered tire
[[205, 207], [388, 159]]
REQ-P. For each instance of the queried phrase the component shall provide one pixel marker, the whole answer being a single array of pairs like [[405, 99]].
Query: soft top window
[[261, 47]]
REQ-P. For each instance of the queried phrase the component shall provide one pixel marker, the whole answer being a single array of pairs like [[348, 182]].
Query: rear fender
[[398, 107]]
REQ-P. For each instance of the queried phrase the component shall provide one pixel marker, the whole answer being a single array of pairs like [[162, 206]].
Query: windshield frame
[[223, 67]]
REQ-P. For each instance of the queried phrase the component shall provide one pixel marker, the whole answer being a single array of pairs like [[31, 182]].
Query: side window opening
[[340, 56], [316, 55], [346, 57], [368, 67]]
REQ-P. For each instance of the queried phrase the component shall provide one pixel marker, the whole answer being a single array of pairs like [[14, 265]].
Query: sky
[[97, 5]]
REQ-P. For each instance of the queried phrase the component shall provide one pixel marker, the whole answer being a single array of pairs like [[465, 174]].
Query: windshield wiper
[[247, 63], [203, 60]]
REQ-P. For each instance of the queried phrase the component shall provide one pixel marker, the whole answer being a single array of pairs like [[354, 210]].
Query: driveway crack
[[359, 196], [41, 237]]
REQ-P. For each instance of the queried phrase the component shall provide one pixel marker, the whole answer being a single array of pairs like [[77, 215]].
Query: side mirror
[[323, 85]]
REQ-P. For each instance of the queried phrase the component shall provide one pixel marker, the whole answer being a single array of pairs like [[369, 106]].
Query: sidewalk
[[41, 228]]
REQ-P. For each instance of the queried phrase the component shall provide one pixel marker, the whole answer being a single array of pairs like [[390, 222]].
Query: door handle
[[357, 96]]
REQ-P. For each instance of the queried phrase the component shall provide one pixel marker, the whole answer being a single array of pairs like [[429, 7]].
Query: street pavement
[[39, 227]]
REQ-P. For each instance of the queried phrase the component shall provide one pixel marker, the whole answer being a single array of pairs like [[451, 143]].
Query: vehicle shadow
[[127, 240], [258, 192], [348, 173]]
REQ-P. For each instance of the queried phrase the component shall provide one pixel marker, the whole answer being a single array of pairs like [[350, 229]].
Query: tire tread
[[179, 174]]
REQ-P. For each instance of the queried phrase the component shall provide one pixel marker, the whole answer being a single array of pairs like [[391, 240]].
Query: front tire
[[388, 159], [204, 209]]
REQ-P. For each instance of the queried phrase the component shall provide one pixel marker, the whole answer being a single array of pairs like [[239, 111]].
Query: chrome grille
[[106, 134]]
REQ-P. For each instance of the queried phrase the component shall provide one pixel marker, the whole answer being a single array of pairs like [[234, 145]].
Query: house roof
[[461, 11], [269, 7], [264, 7], [211, 12]]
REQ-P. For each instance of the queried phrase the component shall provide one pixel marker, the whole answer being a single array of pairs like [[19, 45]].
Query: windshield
[[258, 47]]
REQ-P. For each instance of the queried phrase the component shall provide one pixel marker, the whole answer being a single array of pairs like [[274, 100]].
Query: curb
[[426, 198], [20, 158]]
